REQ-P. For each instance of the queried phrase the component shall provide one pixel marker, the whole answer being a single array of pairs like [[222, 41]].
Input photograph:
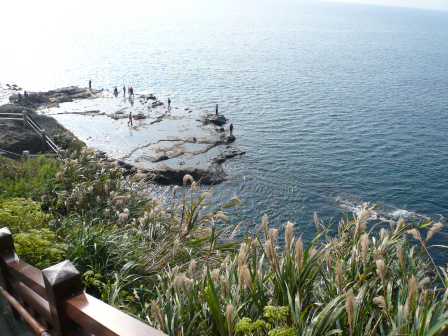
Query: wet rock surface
[[169, 142]]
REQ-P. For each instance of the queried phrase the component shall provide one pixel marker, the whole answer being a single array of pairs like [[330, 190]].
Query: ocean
[[335, 104]]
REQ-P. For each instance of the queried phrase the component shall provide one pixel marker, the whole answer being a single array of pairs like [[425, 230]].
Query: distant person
[[90, 84], [116, 91], [231, 129], [115, 116], [130, 118], [124, 90], [169, 102], [216, 109], [132, 91]]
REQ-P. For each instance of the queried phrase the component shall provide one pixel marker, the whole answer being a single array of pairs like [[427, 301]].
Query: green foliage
[[21, 215], [39, 248], [33, 178], [66, 141], [275, 316]]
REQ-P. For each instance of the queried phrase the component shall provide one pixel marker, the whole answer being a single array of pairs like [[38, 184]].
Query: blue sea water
[[335, 104]]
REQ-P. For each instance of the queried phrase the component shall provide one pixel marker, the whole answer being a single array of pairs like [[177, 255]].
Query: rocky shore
[[168, 142]]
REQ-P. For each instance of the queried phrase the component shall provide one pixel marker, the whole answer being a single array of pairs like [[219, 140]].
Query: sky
[[429, 4]]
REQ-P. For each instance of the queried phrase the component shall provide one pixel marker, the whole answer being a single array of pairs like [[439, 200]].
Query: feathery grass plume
[[383, 233], [433, 230], [400, 255], [400, 223], [412, 291], [206, 194], [176, 283], [264, 225], [380, 302], [316, 221], [415, 234], [242, 256], [350, 306], [276, 235], [187, 178], [192, 268], [271, 235], [244, 277], [114, 164], [312, 252], [360, 224], [423, 282], [237, 200], [381, 269], [289, 232], [223, 287], [175, 190], [299, 255], [365, 247], [193, 184], [229, 316], [175, 246], [270, 251], [339, 275], [391, 222], [156, 310], [107, 212], [215, 274], [328, 261], [221, 216], [354, 254], [174, 271]]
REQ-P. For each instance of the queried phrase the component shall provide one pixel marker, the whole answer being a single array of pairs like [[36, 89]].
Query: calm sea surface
[[335, 104]]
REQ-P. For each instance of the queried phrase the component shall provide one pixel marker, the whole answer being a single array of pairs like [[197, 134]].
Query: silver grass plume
[[246, 276], [316, 221], [365, 247], [299, 255], [339, 275], [176, 283], [206, 194], [380, 302], [381, 269], [174, 271], [175, 190], [215, 274], [156, 310], [328, 261], [400, 223], [221, 216], [229, 316], [415, 234], [242, 256], [175, 246], [192, 268], [360, 222], [392, 225], [264, 225], [187, 178], [383, 233], [350, 306], [270, 251], [289, 232], [423, 282], [224, 287], [433, 230], [237, 200]]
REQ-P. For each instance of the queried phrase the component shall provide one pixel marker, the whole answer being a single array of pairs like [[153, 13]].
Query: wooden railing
[[55, 299]]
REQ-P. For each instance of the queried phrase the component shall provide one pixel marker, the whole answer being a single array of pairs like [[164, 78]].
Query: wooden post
[[44, 138], [61, 281], [26, 155], [24, 119], [7, 243]]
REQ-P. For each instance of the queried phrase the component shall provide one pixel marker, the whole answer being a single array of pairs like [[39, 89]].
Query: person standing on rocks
[[216, 109], [130, 118], [169, 102], [90, 84], [124, 90], [231, 129]]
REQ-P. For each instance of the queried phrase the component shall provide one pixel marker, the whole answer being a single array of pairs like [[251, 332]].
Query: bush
[[39, 248], [21, 215]]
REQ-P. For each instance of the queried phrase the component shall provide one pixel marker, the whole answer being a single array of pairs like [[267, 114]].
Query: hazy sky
[[430, 4]]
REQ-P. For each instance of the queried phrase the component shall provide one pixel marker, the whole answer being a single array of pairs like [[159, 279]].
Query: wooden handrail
[[29, 275], [99, 318], [35, 327], [56, 295]]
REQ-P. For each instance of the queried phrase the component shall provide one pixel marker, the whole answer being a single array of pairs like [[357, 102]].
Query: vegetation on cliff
[[168, 263]]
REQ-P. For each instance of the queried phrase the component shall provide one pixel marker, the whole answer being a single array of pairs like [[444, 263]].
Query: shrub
[[39, 248], [21, 215]]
